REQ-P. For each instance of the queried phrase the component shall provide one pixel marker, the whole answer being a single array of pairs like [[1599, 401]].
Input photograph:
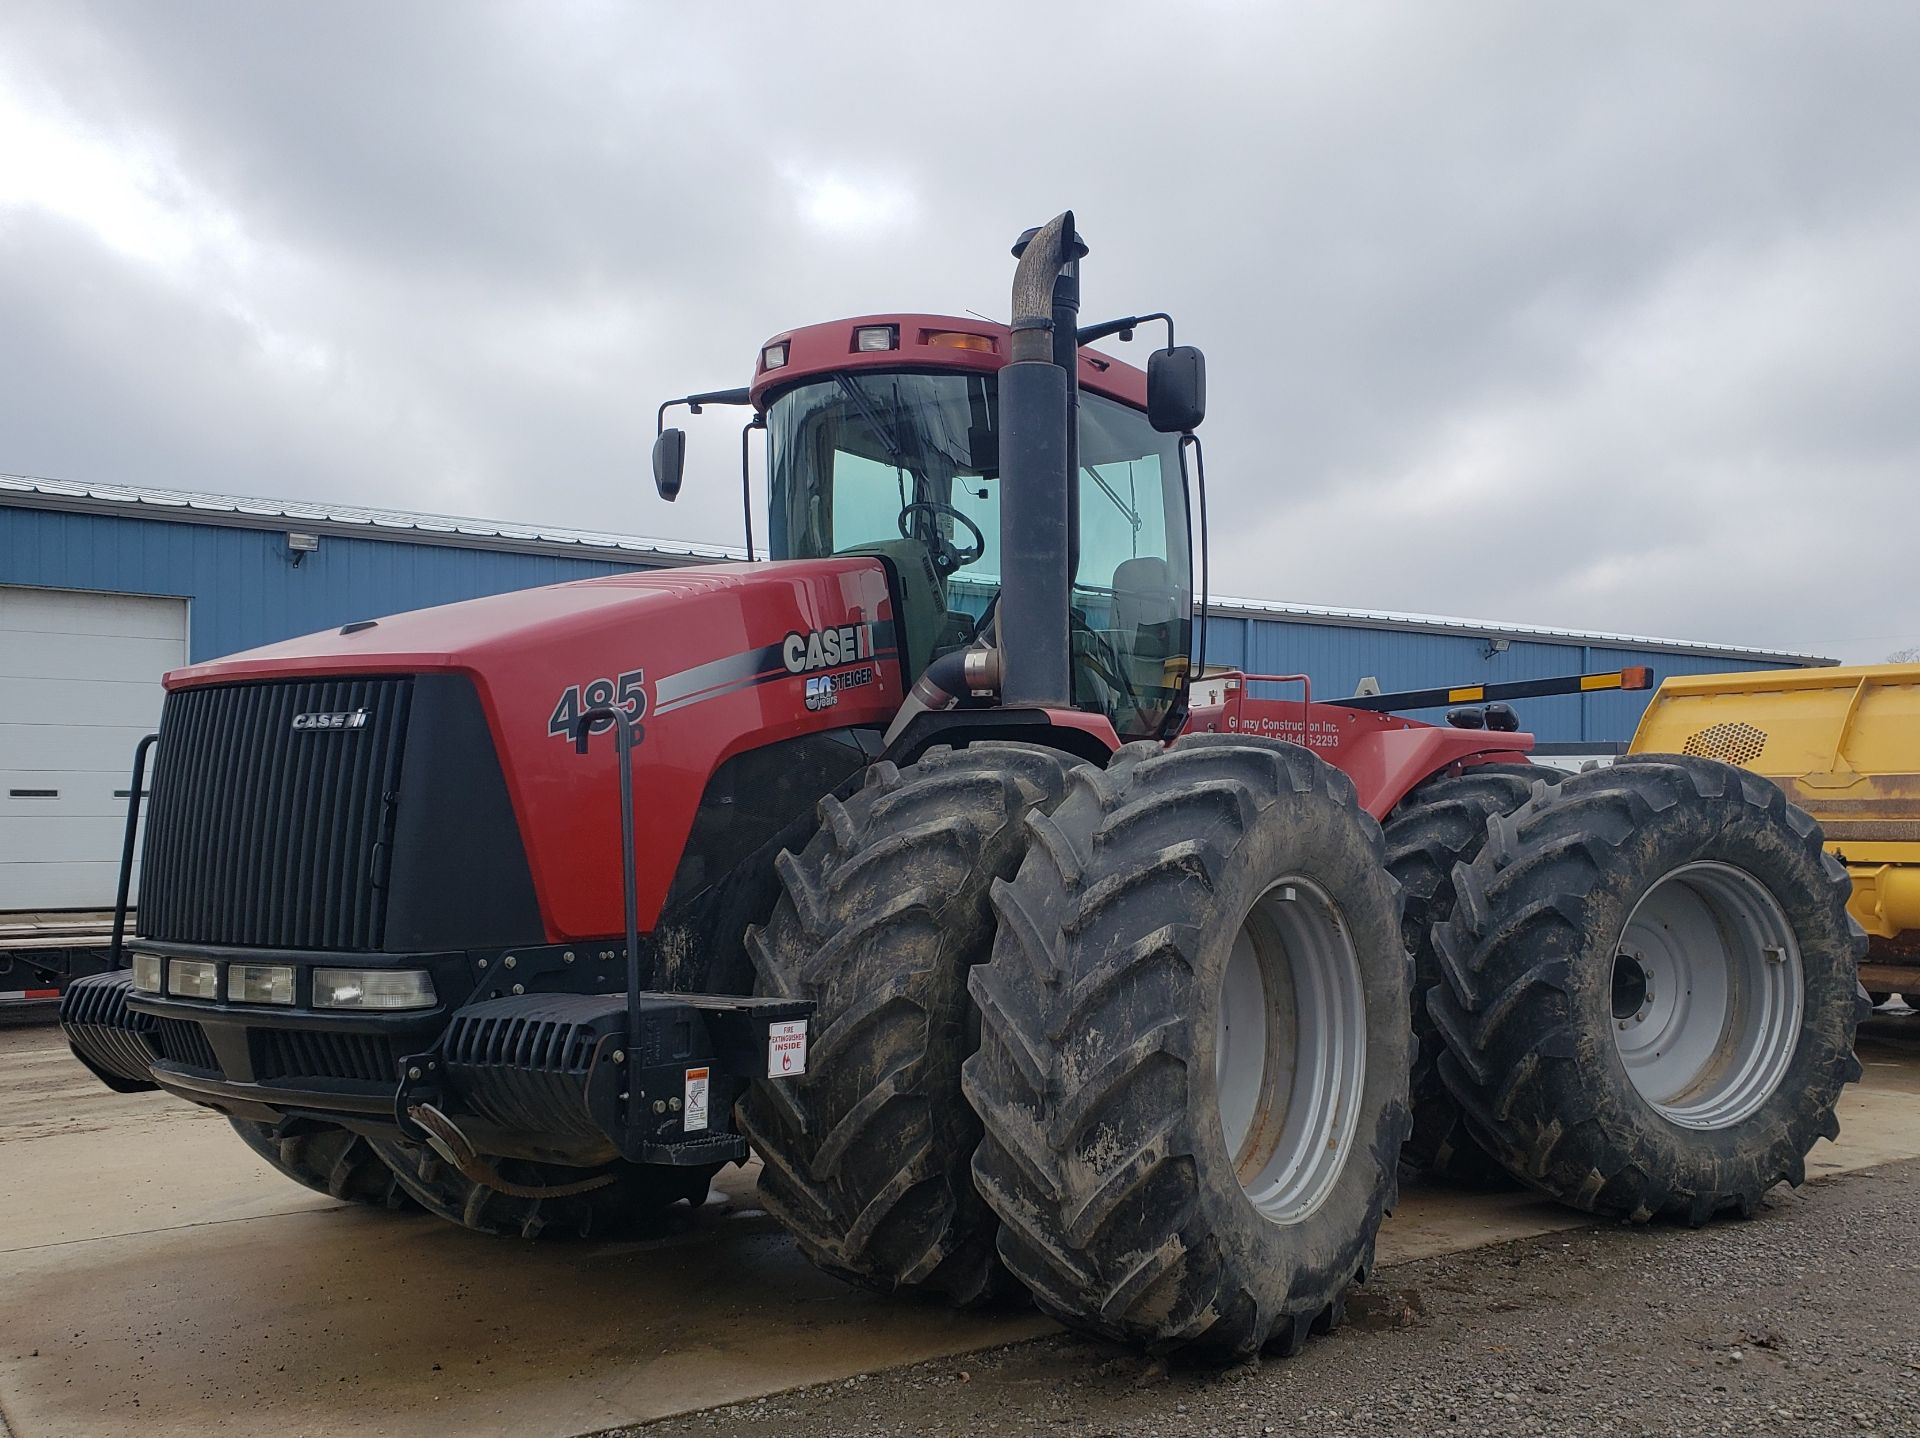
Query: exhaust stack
[[1037, 423]]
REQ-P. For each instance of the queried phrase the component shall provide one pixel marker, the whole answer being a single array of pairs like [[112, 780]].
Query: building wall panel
[[241, 584]]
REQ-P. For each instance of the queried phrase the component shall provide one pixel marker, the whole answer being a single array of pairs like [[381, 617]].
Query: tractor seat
[[1146, 615]]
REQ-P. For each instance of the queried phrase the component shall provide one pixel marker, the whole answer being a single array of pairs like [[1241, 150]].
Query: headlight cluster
[[372, 989], [379, 989]]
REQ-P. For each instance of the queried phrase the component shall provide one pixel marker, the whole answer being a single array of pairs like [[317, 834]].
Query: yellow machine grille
[[1729, 743]]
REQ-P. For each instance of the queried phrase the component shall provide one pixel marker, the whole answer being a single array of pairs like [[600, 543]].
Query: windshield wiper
[[1132, 514]]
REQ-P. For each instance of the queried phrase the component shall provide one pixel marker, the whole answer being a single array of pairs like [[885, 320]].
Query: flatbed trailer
[[41, 953]]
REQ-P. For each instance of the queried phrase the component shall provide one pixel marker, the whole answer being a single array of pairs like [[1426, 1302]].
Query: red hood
[[463, 635]]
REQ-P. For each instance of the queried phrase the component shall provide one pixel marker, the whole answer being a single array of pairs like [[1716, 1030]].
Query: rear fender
[[1085, 736], [1387, 764]]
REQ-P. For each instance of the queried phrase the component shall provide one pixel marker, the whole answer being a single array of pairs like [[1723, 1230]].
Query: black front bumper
[[554, 1076]]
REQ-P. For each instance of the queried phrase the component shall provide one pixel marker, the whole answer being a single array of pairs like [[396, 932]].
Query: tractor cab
[[884, 438], [905, 465]]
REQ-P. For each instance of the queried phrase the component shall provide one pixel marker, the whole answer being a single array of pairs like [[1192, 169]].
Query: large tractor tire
[[1194, 1047], [1650, 999], [866, 1157], [633, 1196], [325, 1157], [1443, 822]]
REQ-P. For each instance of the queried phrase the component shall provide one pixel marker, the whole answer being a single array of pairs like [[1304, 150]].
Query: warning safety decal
[[693, 1117], [787, 1049]]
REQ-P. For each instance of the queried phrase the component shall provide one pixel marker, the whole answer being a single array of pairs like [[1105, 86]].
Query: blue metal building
[[236, 562]]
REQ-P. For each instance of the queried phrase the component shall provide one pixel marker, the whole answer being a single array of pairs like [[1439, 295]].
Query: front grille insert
[[183, 1042], [282, 1055], [268, 835]]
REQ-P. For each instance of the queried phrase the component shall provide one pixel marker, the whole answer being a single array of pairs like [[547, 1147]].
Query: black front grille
[[280, 1055], [183, 1042], [264, 835]]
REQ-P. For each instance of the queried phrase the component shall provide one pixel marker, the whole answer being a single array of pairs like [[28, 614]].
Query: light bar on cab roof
[[957, 340]]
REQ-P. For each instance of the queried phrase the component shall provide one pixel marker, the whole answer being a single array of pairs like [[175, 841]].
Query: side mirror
[[669, 462], [1176, 389]]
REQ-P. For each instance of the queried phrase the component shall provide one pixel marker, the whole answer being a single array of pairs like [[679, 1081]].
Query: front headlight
[[193, 979], [373, 989], [259, 983], [146, 973]]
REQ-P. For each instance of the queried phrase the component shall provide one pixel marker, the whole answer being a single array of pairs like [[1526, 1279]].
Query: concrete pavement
[[155, 1276]]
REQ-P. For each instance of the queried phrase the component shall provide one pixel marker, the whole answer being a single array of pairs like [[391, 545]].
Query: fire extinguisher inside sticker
[[787, 1049], [693, 1117]]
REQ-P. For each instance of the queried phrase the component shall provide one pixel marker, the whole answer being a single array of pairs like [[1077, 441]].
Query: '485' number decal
[[626, 694]]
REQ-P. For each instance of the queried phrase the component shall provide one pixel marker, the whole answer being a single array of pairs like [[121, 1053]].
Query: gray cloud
[[1599, 316]]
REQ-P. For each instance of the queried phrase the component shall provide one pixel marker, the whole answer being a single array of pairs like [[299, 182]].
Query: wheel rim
[[1707, 992], [1290, 1050]]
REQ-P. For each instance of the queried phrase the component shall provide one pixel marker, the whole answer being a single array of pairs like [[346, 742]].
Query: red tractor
[[1024, 951]]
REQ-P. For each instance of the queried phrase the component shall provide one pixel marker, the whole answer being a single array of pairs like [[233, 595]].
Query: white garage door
[[79, 684]]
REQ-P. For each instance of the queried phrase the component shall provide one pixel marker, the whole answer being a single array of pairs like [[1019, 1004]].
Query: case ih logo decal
[[827, 648], [344, 719], [801, 652], [626, 692]]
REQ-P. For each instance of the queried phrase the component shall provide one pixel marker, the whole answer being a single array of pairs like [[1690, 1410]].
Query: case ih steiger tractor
[[928, 863]]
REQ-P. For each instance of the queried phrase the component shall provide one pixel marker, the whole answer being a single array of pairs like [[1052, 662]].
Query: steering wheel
[[1105, 660], [947, 555]]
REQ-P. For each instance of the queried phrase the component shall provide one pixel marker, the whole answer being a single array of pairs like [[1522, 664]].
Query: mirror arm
[[1090, 334], [693, 402], [1200, 505], [746, 475]]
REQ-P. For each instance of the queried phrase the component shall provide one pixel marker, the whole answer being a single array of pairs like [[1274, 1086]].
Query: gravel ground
[[1805, 1319]]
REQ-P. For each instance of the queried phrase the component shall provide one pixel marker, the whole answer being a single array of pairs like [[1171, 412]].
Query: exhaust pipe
[[1037, 390]]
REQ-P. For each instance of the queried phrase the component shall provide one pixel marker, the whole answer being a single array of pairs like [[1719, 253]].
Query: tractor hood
[[706, 662], [472, 634]]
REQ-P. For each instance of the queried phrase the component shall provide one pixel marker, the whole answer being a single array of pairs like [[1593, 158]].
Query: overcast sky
[[1596, 316]]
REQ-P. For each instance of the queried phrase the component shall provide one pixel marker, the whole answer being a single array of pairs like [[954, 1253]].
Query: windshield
[[857, 461]]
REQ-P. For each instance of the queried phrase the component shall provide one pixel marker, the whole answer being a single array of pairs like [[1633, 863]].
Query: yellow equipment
[[1844, 742]]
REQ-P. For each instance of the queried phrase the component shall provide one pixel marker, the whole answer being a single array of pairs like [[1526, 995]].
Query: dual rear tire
[[1649, 991]]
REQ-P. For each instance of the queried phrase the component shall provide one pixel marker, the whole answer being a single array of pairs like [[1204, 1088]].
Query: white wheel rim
[[1707, 994], [1290, 1050]]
